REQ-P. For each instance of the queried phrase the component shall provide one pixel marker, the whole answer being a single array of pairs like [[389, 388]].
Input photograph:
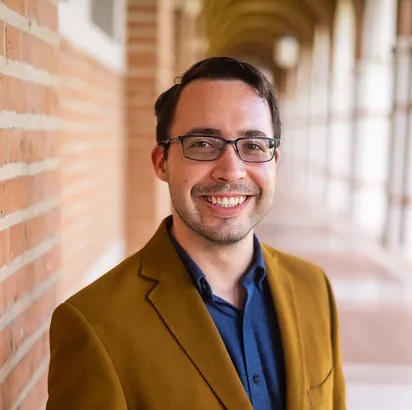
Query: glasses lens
[[256, 149], [202, 148]]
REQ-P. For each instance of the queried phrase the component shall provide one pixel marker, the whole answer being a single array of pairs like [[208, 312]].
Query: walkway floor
[[374, 297]]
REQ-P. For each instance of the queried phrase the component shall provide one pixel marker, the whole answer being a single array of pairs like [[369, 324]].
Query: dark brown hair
[[214, 68]]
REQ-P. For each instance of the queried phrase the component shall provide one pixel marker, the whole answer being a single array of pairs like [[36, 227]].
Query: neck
[[222, 264]]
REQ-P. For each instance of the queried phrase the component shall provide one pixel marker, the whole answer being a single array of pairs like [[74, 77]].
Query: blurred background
[[78, 79]]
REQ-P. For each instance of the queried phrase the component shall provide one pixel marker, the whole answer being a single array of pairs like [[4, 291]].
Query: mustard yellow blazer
[[140, 337]]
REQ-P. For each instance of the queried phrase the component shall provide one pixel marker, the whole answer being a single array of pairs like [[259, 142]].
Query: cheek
[[180, 179], [265, 177]]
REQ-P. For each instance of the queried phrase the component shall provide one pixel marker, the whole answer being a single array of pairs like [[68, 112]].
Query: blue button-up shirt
[[251, 335]]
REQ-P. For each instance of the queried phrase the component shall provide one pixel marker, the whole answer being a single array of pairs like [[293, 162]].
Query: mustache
[[226, 188]]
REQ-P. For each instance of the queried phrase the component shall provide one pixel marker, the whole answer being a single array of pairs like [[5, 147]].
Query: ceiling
[[250, 27]]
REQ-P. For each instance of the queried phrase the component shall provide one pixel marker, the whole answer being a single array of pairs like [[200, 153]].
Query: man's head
[[214, 68], [219, 190]]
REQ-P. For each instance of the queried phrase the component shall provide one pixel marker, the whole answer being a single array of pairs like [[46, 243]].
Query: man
[[204, 316]]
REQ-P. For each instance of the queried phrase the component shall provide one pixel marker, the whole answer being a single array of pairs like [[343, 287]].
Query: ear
[[277, 156], [159, 162]]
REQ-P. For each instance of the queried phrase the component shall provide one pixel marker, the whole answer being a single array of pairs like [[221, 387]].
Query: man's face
[[220, 200]]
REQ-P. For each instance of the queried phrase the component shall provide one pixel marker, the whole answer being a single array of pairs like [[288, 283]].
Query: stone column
[[398, 232], [341, 115], [373, 88], [295, 111], [398, 228], [186, 16], [319, 114]]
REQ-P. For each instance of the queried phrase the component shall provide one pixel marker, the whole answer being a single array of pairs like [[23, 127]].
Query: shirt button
[[203, 286], [256, 379]]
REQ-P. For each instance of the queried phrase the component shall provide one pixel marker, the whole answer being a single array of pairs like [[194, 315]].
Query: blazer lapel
[[178, 302], [282, 294]]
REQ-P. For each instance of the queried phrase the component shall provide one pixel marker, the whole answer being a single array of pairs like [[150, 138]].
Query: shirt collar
[[256, 272]]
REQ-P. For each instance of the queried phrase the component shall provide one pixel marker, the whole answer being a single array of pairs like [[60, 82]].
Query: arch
[[281, 11], [267, 34]]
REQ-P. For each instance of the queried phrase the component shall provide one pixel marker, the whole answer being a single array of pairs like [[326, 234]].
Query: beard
[[222, 231]]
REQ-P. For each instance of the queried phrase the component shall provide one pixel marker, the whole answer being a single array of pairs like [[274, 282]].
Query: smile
[[226, 202]]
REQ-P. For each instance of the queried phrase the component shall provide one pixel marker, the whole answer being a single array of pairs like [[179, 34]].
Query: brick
[[13, 43], [14, 195], [39, 54], [53, 145], [53, 108], [28, 277], [44, 12], [52, 183], [5, 349], [44, 186], [4, 147], [141, 59], [23, 372], [32, 146], [137, 25], [25, 325], [37, 98], [16, 145], [142, 8], [77, 114], [14, 287], [19, 6], [39, 228], [13, 95], [4, 247], [38, 395], [50, 265], [17, 240]]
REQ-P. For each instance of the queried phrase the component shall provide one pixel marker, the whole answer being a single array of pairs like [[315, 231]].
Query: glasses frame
[[234, 142]]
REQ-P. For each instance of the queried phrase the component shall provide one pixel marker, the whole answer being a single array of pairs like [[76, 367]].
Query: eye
[[201, 144], [254, 146]]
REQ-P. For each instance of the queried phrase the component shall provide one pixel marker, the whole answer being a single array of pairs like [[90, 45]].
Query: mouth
[[226, 201]]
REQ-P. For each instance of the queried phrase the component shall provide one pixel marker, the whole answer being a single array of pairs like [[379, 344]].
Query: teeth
[[226, 202]]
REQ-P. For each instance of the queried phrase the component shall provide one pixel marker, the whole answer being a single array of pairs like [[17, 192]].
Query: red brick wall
[[29, 197], [92, 178], [61, 185]]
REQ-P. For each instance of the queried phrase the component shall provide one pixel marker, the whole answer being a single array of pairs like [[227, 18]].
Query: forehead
[[221, 104]]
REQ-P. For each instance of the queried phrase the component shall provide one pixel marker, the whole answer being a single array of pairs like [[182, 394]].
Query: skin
[[220, 240]]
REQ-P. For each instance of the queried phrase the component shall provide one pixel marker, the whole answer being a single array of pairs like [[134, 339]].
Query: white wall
[[76, 26]]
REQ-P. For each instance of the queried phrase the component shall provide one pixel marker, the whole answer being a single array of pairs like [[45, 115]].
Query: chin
[[223, 236], [228, 239]]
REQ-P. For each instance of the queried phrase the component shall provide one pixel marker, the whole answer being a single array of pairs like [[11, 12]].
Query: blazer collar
[[284, 299], [181, 307]]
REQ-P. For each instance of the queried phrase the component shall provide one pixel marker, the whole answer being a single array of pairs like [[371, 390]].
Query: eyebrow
[[249, 133], [205, 131]]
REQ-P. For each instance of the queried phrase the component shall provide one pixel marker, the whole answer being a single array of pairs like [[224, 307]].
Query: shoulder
[[112, 292], [302, 274], [290, 262], [125, 288]]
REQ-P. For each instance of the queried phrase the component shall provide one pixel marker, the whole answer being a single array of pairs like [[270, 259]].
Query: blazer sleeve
[[81, 374], [339, 393]]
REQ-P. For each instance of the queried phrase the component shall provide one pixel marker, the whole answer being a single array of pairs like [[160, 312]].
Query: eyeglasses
[[210, 148]]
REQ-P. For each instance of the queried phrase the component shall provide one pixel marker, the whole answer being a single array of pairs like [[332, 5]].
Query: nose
[[229, 167]]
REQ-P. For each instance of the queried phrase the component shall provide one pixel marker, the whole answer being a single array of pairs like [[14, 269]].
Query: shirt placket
[[255, 376]]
